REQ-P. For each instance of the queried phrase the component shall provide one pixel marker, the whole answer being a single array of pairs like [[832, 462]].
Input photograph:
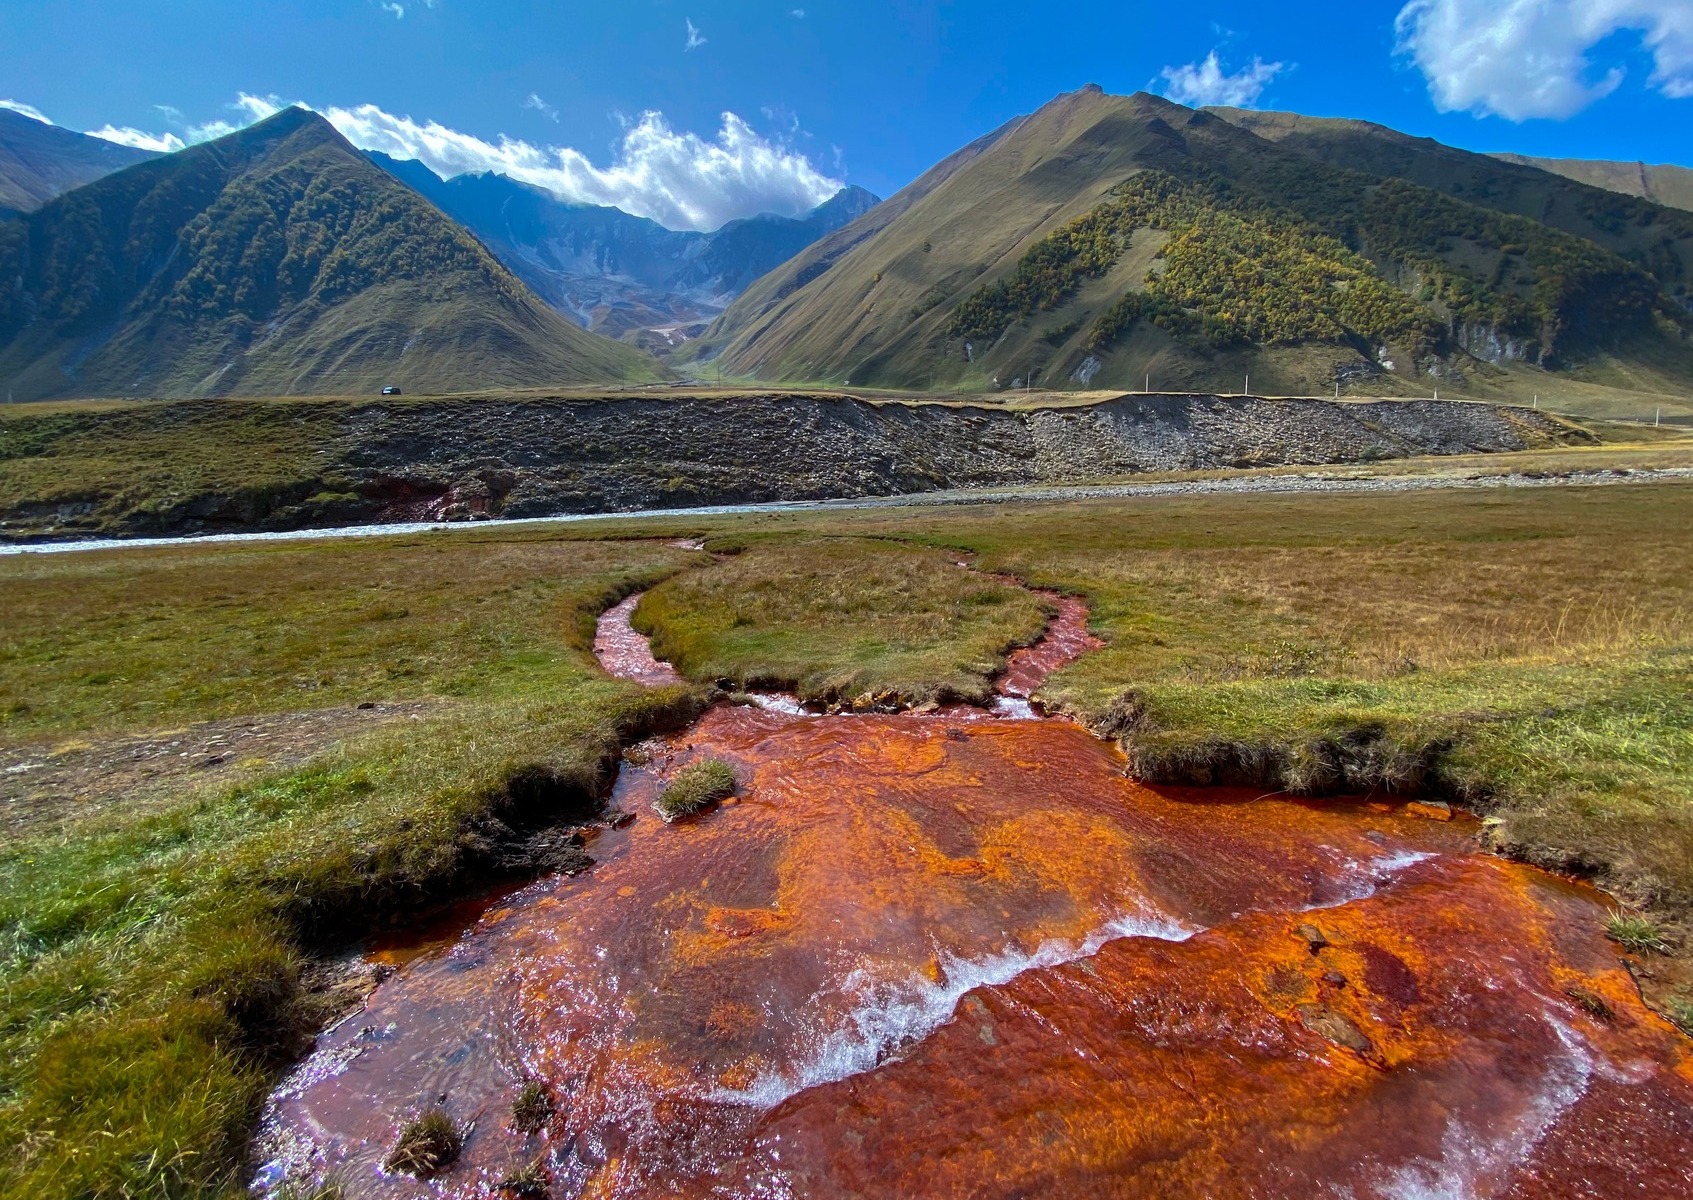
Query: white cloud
[[696, 39], [1203, 83], [247, 109], [680, 180], [26, 110], [1520, 59], [799, 14], [541, 106], [399, 10], [164, 143]]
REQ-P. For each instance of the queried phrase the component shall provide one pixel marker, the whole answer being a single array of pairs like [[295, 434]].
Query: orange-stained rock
[[1431, 810]]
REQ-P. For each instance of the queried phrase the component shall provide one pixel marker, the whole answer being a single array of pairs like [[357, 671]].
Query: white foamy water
[[892, 1014], [1365, 878], [1474, 1162], [780, 702]]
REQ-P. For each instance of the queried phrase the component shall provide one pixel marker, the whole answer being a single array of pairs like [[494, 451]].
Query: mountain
[[1666, 185], [1507, 183], [39, 161], [278, 261], [614, 273], [1105, 238]]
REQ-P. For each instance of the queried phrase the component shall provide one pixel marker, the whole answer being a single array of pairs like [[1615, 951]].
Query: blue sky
[[823, 91]]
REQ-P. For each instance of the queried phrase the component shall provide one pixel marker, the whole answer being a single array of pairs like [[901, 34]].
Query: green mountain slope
[[275, 261], [1667, 185], [1106, 238], [1629, 226], [39, 161]]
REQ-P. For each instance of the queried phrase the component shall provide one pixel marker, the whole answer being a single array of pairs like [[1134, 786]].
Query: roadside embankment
[[205, 466]]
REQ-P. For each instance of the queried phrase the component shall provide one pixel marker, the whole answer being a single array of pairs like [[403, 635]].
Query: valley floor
[[1526, 652]]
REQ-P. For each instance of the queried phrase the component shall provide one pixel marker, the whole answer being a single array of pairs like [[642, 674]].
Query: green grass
[[1679, 1009], [151, 965], [696, 788], [1529, 652], [329, 1189], [833, 619], [154, 638], [1636, 933], [145, 458]]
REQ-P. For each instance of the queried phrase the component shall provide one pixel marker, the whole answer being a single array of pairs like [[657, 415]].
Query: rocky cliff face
[[462, 459]]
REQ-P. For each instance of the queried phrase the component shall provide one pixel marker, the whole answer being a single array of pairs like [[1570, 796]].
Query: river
[[961, 953], [1262, 484]]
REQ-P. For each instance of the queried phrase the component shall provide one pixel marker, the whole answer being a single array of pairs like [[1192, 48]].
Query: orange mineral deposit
[[950, 955]]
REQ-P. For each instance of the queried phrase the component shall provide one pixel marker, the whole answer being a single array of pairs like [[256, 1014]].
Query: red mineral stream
[[953, 955]]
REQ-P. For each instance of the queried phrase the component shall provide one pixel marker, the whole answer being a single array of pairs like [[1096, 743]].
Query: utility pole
[[1658, 420], [1147, 391], [1247, 391]]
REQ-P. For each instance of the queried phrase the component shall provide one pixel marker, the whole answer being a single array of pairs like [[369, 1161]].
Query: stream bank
[[962, 953]]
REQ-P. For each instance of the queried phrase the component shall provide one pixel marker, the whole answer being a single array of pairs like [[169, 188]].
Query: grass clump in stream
[[696, 788], [528, 1181], [428, 1144], [532, 1109]]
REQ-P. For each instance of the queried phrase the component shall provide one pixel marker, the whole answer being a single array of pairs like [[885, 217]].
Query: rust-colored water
[[626, 653], [948, 955], [1066, 639]]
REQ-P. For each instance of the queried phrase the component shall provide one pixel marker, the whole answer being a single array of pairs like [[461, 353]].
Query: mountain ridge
[[1664, 183], [1463, 284], [276, 260], [39, 161], [613, 272]]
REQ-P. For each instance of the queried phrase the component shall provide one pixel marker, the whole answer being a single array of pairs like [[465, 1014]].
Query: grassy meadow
[[1527, 651], [154, 967], [836, 618]]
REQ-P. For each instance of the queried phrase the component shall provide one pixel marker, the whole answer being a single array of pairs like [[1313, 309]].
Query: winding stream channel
[[961, 953]]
